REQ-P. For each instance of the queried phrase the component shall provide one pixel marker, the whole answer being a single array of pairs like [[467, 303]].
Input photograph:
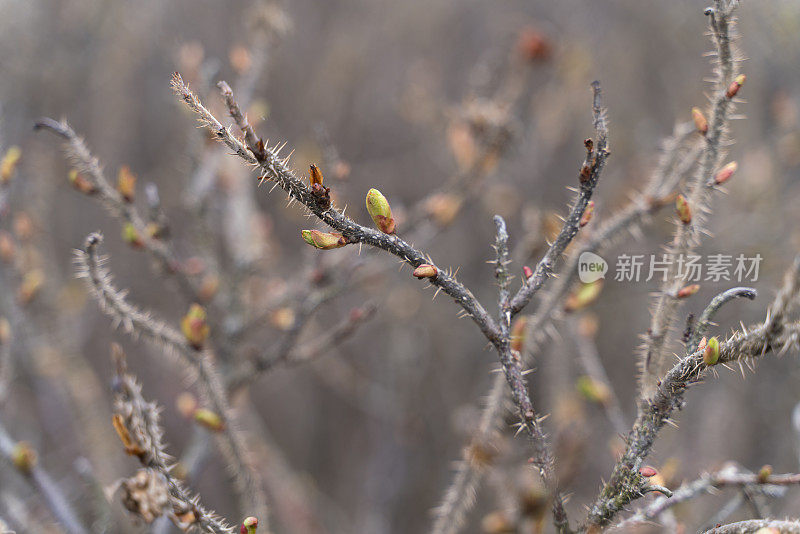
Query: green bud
[[209, 419], [380, 211], [711, 353], [323, 240]]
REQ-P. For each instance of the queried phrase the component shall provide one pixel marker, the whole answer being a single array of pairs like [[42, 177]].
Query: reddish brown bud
[[683, 210], [688, 291], [425, 270], [315, 175], [518, 334], [186, 403], [126, 183], [131, 447], [735, 85], [533, 45], [208, 287], [443, 207], [702, 344], [527, 272], [587, 214], [725, 173], [80, 182], [700, 121], [647, 471]]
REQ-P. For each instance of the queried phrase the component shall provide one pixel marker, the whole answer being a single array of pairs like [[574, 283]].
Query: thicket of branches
[[231, 291]]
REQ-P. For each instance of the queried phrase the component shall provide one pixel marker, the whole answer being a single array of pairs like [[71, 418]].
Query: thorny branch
[[673, 165], [699, 194], [596, 155], [138, 323], [88, 165], [140, 419], [626, 482], [276, 170], [730, 476]]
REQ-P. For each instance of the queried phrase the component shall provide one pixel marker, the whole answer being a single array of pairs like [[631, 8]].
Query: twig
[[141, 421], [80, 156], [138, 323], [46, 486], [704, 322], [730, 476], [459, 496], [746, 527], [275, 169], [700, 189], [625, 483], [590, 174]]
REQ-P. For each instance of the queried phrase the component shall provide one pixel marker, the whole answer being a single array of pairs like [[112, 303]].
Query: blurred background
[[378, 93]]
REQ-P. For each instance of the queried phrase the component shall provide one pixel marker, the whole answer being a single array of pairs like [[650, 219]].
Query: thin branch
[[626, 482], [88, 165], [698, 198], [706, 318], [138, 323], [755, 525], [141, 421], [728, 477], [46, 486], [674, 164], [275, 169], [511, 362], [589, 359], [596, 155]]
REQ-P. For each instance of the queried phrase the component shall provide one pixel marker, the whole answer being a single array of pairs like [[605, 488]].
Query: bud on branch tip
[[249, 526]]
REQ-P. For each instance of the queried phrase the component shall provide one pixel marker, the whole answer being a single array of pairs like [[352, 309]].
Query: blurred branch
[[730, 476], [27, 466], [100, 188], [139, 424], [766, 526], [138, 323]]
